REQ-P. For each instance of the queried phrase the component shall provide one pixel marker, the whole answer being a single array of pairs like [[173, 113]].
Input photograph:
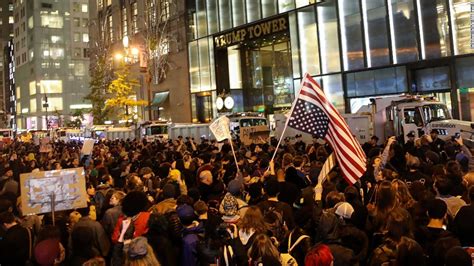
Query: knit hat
[[344, 210], [230, 206], [185, 212], [47, 251], [138, 248], [234, 187]]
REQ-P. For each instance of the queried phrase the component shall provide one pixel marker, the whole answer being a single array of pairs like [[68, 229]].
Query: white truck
[[195, 131], [398, 115], [153, 130]]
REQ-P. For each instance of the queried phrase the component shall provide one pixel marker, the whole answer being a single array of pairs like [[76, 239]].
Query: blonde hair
[[148, 260]]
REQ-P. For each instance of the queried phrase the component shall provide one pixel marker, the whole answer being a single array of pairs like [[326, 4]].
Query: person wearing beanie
[[168, 204], [234, 189], [192, 230], [140, 253]]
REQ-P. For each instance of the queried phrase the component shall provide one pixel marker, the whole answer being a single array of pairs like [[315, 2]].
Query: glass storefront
[[355, 49]]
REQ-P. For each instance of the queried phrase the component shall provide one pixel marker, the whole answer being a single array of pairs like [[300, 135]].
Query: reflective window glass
[[285, 5], [204, 65], [225, 14], [238, 12], [351, 34], [461, 19], [295, 51], [201, 18], [269, 8], [376, 35], [403, 31], [212, 16], [434, 28], [376, 82], [253, 10], [308, 40], [327, 22], [194, 65], [332, 87]]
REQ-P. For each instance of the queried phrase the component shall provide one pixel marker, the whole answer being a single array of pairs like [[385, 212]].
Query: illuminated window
[[100, 4], [33, 105], [134, 18], [76, 22], [79, 69], [55, 39], [111, 28], [165, 9], [18, 107], [11, 20], [57, 53], [51, 86], [32, 88], [84, 8], [85, 37], [124, 22], [55, 103], [18, 93], [30, 22], [52, 21]]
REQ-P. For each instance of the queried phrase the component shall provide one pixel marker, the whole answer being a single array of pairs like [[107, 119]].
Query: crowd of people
[[187, 202]]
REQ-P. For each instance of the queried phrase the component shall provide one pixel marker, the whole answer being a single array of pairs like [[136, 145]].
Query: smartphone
[[457, 135]]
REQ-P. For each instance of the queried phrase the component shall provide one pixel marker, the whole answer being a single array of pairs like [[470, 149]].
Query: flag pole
[[233, 153], [288, 118]]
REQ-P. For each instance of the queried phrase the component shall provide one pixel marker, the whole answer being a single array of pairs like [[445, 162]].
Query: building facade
[[6, 33], [257, 51], [150, 36], [51, 43]]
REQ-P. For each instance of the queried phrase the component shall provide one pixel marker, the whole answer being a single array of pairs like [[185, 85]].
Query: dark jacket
[[110, 218], [284, 208], [15, 247], [191, 239], [301, 249], [101, 241], [463, 225]]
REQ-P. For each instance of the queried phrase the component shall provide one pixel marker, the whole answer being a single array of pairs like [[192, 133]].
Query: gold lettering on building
[[254, 31]]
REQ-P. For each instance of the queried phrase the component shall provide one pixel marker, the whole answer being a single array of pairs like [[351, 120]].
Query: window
[[76, 22], [434, 29], [376, 34], [77, 37], [253, 10], [100, 4], [403, 31], [134, 18], [225, 14], [329, 40], [79, 69], [23, 57], [84, 8], [110, 28], [33, 105], [18, 93], [32, 88], [238, 10], [52, 21], [77, 52], [376, 82], [165, 9], [85, 22], [75, 7], [30, 22], [461, 19], [351, 34], [308, 41], [55, 39], [57, 53], [124, 22], [212, 16], [269, 8], [85, 37], [11, 20], [285, 5], [55, 103], [51, 86]]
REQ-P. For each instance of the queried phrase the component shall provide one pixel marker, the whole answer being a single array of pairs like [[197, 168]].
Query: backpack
[[274, 220], [286, 258]]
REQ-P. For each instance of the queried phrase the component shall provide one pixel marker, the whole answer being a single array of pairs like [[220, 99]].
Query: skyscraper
[[6, 33], [51, 55]]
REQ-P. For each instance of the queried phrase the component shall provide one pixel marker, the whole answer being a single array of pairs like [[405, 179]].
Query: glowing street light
[[118, 56]]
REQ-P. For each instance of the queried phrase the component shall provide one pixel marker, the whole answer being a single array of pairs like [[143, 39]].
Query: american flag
[[314, 114]]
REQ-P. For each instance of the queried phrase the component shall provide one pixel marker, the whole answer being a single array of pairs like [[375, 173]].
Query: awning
[[159, 100]]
